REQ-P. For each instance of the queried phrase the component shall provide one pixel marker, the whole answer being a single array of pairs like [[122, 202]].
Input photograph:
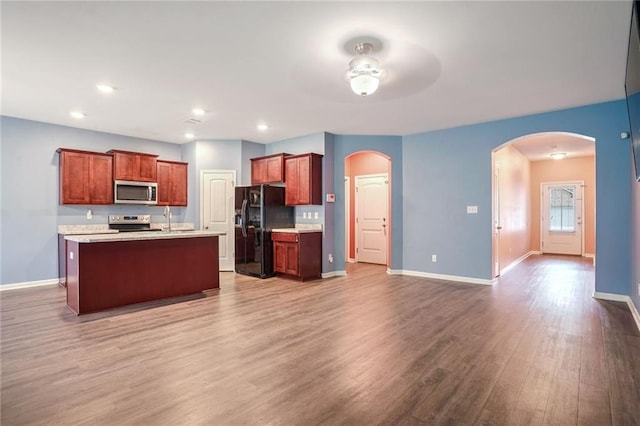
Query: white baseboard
[[334, 274], [394, 271], [351, 260], [589, 255], [515, 262], [620, 298], [468, 280], [535, 252], [28, 284]]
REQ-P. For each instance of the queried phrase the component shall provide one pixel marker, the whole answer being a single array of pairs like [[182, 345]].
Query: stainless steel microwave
[[129, 192]]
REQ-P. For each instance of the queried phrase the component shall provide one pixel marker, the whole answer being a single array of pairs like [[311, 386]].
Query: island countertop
[[136, 236]]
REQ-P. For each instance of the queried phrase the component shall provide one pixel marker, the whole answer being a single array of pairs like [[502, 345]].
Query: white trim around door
[[217, 202]]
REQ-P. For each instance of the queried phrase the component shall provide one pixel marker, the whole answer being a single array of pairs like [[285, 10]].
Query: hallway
[[367, 348]]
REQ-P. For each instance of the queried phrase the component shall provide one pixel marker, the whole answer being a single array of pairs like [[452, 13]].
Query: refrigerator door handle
[[244, 218]]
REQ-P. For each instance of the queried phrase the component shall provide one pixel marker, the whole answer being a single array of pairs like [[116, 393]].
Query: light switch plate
[[472, 209]]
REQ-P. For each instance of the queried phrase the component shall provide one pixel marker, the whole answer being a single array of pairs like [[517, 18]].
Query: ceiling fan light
[[558, 155], [364, 84]]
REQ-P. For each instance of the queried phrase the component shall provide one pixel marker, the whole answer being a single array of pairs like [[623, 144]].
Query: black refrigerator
[[259, 209]]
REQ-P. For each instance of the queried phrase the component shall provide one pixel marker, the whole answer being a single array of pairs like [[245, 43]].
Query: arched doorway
[[368, 218], [524, 218]]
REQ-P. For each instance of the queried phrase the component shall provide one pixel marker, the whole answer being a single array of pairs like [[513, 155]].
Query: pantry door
[[217, 192]]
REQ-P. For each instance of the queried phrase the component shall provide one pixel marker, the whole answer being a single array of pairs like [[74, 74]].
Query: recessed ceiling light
[[189, 135], [262, 127], [558, 155], [198, 111], [105, 88], [77, 114]]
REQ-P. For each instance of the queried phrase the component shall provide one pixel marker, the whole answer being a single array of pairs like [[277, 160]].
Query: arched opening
[[541, 204], [368, 218]]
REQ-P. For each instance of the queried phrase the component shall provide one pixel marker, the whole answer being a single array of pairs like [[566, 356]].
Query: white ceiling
[[540, 146], [284, 63]]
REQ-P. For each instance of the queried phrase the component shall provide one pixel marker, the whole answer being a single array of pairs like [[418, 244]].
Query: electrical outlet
[[315, 215], [89, 214], [434, 258], [304, 215], [472, 209], [330, 258]]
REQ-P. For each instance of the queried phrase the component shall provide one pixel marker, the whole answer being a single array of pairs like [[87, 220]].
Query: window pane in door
[[562, 209]]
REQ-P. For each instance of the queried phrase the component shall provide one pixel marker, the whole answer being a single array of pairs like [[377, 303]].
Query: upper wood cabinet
[[85, 177], [172, 183], [268, 169], [134, 166], [303, 177]]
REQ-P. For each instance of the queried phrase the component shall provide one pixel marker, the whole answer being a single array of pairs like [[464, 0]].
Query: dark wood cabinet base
[[297, 256], [102, 275]]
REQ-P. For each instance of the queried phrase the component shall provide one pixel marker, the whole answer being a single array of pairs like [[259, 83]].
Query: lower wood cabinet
[[298, 255]]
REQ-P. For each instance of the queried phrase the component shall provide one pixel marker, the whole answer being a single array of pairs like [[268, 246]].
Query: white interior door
[[347, 217], [217, 212], [496, 221], [372, 224], [561, 224]]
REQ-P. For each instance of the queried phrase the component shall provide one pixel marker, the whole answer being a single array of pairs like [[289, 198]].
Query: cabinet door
[[125, 167], [172, 183], [178, 184], [258, 171], [292, 188], [146, 168], [74, 178], [304, 180], [292, 264], [279, 257], [101, 179], [164, 183], [273, 167]]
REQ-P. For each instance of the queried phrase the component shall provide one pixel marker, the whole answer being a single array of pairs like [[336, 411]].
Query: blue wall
[[309, 143], [249, 150], [30, 192], [209, 155], [635, 247], [328, 244], [345, 145], [448, 169], [435, 175]]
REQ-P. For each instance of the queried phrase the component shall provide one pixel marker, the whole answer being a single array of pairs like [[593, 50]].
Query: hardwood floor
[[363, 349]]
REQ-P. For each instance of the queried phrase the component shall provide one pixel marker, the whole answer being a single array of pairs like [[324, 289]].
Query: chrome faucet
[[167, 215]]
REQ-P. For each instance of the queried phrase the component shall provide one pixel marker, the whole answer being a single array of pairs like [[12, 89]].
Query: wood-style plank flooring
[[363, 349]]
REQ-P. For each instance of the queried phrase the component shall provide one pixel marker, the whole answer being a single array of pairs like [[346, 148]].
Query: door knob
[[206, 227]]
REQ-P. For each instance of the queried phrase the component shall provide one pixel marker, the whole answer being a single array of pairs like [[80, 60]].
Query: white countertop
[[99, 228], [300, 228], [135, 236]]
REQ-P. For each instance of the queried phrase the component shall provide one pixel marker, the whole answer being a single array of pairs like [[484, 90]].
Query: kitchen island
[[108, 270]]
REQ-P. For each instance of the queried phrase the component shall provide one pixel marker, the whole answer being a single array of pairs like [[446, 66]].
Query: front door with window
[[561, 218]]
